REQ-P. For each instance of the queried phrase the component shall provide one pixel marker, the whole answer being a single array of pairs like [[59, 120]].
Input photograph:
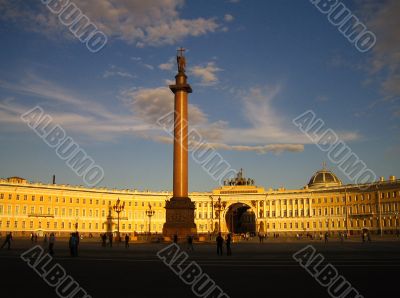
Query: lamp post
[[118, 207], [396, 213], [76, 224], [218, 208], [212, 215], [150, 214]]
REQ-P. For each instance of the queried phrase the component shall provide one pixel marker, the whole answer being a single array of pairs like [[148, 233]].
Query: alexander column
[[180, 209]]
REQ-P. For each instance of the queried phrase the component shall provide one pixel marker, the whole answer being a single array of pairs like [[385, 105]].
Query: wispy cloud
[[383, 19], [169, 65], [269, 130], [115, 71]]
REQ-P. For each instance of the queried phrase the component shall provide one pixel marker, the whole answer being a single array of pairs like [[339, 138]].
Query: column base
[[179, 218]]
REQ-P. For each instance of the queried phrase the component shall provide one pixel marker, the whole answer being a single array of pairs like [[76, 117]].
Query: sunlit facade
[[323, 205]]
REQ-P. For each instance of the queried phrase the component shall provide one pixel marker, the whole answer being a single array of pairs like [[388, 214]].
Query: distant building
[[323, 205]]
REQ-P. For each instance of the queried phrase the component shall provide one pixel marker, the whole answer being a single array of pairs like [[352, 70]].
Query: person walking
[[45, 239], [32, 237], [326, 237], [52, 240], [7, 241], [175, 238], [220, 242], [190, 243], [110, 239], [126, 241], [228, 245]]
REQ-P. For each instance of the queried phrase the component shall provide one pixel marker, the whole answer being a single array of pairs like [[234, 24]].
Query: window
[[41, 198], [25, 197], [33, 198], [17, 198], [10, 196], [2, 196]]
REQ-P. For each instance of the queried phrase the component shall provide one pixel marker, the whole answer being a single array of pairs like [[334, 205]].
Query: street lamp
[[76, 224], [150, 214], [118, 207], [396, 213], [218, 208]]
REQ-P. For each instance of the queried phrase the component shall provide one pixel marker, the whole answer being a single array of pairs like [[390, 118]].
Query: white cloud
[[134, 21], [228, 18], [207, 74], [167, 65]]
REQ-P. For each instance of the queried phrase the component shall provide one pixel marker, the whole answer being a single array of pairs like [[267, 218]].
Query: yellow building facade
[[323, 205]]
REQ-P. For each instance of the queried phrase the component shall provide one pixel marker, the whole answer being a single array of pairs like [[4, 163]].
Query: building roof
[[324, 178]]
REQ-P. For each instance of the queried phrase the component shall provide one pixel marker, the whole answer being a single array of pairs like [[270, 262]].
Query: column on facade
[[270, 208]]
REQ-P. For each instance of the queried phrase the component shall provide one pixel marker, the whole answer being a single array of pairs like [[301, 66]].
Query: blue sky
[[253, 66]]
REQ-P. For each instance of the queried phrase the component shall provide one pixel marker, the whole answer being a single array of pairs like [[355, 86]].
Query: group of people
[[220, 243], [109, 236]]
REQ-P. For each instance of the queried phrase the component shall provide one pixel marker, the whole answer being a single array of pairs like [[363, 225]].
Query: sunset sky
[[253, 66]]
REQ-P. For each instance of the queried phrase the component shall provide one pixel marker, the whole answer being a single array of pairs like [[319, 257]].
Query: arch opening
[[240, 219]]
